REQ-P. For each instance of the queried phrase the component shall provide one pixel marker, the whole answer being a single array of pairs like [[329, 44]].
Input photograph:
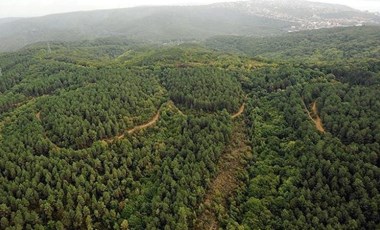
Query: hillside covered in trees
[[234, 133]]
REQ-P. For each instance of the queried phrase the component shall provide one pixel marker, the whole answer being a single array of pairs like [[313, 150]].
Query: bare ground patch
[[227, 181], [314, 116]]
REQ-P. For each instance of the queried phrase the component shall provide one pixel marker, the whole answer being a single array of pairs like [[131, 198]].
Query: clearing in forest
[[317, 119], [314, 116], [227, 181]]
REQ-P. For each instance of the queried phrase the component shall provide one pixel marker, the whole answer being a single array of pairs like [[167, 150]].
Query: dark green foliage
[[207, 89], [101, 185], [66, 165], [351, 54], [301, 179], [13, 67], [58, 169], [350, 112], [314, 47], [178, 168], [100, 110]]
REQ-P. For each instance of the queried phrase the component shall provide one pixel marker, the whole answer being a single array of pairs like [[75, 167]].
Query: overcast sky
[[27, 8]]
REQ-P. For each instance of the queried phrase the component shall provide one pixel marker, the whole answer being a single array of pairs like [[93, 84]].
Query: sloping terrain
[[175, 24], [227, 180], [200, 155], [157, 24], [307, 46]]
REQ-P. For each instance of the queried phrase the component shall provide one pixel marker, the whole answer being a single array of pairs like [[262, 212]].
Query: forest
[[232, 133]]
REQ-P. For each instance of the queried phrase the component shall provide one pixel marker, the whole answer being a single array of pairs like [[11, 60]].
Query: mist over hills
[[181, 23], [304, 14]]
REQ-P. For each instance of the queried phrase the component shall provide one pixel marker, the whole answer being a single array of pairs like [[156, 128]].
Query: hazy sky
[[27, 8]]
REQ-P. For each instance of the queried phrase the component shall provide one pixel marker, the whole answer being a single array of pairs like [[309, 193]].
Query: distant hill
[[144, 23], [351, 43], [351, 54], [178, 23], [8, 20]]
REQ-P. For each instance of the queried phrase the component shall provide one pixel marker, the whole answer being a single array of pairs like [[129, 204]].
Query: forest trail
[[143, 126], [238, 113], [38, 116], [146, 125], [314, 116], [226, 182], [317, 120], [152, 121]]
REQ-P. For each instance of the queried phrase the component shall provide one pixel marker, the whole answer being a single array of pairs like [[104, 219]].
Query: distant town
[[307, 15]]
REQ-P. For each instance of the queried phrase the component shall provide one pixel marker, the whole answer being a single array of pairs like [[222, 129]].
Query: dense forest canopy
[[338, 44], [115, 134]]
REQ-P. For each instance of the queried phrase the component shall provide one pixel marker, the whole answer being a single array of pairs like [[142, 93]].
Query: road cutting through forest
[[148, 124], [230, 165], [143, 126], [157, 116], [314, 116], [317, 120], [238, 113]]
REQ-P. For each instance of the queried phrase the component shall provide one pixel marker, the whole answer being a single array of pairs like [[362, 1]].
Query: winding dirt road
[[314, 116], [151, 122], [238, 113], [317, 120]]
